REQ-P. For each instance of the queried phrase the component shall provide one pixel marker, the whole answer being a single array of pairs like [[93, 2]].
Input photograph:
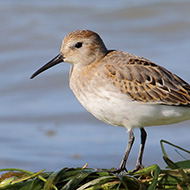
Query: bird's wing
[[144, 81]]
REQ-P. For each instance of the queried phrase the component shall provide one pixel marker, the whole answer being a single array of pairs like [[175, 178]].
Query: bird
[[122, 89]]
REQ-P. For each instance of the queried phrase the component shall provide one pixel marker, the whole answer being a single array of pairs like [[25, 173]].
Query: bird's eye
[[78, 45]]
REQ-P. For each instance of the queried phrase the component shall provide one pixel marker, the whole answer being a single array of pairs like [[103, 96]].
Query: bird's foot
[[119, 170], [137, 168]]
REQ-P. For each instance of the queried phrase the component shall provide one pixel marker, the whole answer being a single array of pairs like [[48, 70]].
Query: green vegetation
[[176, 176]]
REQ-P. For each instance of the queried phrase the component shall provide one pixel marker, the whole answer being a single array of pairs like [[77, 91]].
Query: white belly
[[117, 109]]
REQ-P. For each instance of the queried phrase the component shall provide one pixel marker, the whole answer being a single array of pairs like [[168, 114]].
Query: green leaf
[[53, 179], [183, 164], [98, 181], [173, 165], [178, 147], [75, 181], [147, 170], [155, 179]]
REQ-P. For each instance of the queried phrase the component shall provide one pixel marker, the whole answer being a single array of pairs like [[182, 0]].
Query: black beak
[[58, 59]]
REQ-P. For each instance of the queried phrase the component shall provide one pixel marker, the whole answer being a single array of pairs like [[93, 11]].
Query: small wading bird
[[122, 89]]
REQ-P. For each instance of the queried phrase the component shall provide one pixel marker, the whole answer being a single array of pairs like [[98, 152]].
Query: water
[[42, 124]]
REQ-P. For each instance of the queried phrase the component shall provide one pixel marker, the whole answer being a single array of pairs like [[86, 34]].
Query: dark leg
[[122, 166], [141, 150], [131, 139]]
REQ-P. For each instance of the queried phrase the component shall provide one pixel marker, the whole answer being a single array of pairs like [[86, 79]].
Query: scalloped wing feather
[[145, 81]]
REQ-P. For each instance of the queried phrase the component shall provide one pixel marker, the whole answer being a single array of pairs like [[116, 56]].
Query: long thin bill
[[58, 59]]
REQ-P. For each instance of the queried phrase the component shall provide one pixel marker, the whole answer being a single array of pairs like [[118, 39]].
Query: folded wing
[[145, 81]]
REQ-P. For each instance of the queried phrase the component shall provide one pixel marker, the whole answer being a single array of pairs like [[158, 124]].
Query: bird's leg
[[122, 166], [141, 150], [131, 139]]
